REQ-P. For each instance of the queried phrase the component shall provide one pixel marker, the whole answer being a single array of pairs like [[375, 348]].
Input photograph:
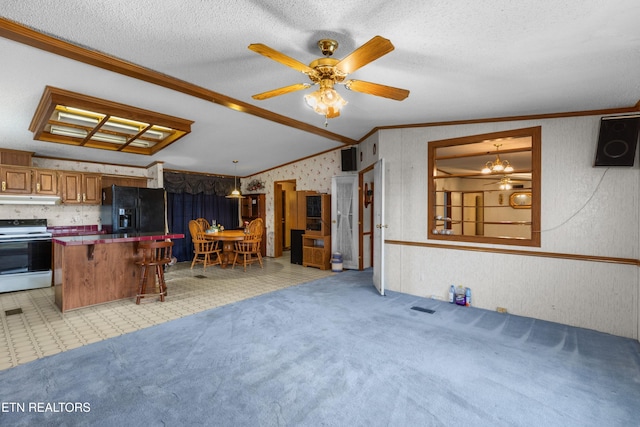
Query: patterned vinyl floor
[[32, 326]]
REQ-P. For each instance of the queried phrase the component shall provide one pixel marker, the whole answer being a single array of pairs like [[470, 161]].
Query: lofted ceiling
[[460, 60]]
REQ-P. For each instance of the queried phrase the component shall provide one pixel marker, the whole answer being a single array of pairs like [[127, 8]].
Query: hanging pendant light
[[235, 194]]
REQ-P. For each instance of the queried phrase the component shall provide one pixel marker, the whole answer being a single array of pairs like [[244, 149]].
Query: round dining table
[[227, 237]]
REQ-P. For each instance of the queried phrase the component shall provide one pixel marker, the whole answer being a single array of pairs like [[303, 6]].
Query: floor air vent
[[200, 276], [424, 310], [14, 311]]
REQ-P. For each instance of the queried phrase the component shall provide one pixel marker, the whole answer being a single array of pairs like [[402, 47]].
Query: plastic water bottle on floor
[[452, 294], [467, 297]]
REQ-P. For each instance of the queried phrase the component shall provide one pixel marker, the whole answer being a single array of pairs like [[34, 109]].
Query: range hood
[[27, 199]]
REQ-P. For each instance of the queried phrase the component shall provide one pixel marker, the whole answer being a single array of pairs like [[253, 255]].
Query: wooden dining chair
[[204, 224], [248, 250], [205, 251], [256, 228]]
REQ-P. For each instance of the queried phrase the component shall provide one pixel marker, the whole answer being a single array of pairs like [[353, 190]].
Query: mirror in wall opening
[[486, 188]]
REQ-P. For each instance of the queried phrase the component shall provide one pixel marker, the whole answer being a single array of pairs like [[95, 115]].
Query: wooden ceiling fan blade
[[281, 91], [377, 89], [281, 58], [368, 52]]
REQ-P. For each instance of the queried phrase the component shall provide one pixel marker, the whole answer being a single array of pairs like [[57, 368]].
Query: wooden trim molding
[[21, 34], [575, 257], [603, 112]]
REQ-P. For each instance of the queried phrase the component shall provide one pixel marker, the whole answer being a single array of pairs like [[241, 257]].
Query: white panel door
[[344, 219], [379, 227]]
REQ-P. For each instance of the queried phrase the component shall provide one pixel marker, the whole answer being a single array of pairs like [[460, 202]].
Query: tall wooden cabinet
[[252, 207], [316, 240]]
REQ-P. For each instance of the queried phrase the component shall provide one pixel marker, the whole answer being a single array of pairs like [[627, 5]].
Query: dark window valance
[[195, 184]]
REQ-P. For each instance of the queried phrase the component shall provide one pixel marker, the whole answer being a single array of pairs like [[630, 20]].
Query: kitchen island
[[94, 269]]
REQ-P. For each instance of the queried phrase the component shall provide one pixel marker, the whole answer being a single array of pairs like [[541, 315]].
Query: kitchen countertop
[[94, 239]]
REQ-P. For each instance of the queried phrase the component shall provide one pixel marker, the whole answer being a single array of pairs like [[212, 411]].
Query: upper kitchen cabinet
[[46, 182], [15, 179], [81, 188], [15, 157]]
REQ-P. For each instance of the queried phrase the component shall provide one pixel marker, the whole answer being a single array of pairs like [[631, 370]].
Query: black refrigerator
[[133, 209]]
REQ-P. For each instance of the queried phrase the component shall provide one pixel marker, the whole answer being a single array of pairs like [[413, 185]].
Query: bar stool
[[154, 255]]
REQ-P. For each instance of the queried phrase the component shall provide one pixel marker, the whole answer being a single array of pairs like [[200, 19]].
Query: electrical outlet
[[501, 310]]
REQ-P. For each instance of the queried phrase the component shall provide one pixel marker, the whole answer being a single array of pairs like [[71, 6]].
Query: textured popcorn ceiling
[[460, 60]]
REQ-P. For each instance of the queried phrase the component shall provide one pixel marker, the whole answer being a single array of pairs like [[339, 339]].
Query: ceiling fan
[[326, 72], [506, 183]]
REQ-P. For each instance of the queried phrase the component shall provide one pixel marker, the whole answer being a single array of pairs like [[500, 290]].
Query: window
[[486, 188], [71, 118]]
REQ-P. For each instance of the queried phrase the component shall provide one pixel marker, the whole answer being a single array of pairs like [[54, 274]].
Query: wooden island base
[[94, 273]]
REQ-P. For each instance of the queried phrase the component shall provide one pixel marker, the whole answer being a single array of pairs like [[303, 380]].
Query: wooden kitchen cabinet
[[81, 188], [92, 185], [15, 157], [46, 182], [316, 251], [15, 180]]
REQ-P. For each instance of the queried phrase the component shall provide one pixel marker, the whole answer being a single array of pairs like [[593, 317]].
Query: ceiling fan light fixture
[[326, 101], [328, 71], [331, 98], [312, 100], [505, 183]]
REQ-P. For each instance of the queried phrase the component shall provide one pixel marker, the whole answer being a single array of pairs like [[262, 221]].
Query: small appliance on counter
[[133, 209], [25, 254]]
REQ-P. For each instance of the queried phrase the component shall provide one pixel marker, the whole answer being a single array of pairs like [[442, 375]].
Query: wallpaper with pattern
[[310, 174], [313, 174]]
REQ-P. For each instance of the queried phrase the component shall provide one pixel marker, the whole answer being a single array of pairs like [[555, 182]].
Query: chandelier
[[497, 166], [326, 101]]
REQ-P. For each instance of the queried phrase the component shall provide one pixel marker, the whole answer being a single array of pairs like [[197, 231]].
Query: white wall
[[585, 211]]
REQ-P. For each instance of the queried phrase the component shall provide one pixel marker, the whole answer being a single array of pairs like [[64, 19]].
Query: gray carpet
[[334, 353]]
